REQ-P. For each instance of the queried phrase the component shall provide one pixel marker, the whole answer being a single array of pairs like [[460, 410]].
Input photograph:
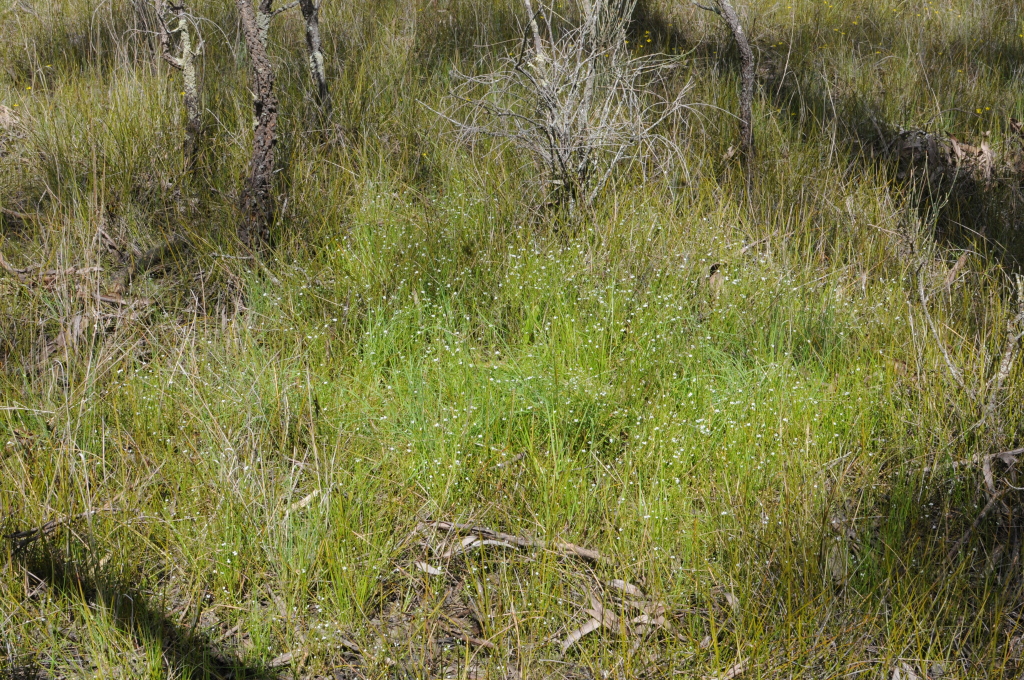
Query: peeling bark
[[311, 15], [257, 201], [190, 46]]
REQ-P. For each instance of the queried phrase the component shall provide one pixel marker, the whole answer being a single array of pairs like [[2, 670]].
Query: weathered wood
[[311, 15], [191, 46], [728, 12], [256, 202]]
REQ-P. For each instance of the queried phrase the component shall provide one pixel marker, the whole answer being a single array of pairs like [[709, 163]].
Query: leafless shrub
[[983, 384], [577, 100]]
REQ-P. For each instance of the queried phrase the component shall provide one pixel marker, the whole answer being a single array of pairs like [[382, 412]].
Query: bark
[[311, 14], [732, 19], [257, 201], [190, 47]]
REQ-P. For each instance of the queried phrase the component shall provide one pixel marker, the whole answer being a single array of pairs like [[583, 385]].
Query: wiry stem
[[1008, 356]]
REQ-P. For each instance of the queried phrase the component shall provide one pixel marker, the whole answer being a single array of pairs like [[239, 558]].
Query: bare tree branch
[[285, 8]]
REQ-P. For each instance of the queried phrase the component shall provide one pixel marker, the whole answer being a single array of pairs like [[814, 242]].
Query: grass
[[238, 470]]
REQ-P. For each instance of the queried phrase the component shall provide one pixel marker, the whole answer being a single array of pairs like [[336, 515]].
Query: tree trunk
[[311, 14], [193, 124], [190, 46], [257, 200], [746, 78]]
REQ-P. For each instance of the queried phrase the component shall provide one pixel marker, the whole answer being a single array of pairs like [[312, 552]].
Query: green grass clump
[[238, 456]]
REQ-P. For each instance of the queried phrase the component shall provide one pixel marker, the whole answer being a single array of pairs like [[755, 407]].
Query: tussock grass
[[427, 340]]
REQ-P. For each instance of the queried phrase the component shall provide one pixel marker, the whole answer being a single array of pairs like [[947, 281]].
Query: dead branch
[[21, 539], [954, 371], [42, 277], [992, 502], [284, 8], [568, 549], [1008, 355], [18, 215]]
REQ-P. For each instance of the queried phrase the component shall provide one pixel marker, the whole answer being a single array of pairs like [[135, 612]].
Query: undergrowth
[[735, 398]]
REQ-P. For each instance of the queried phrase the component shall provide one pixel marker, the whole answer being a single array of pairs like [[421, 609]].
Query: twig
[[992, 502], [19, 215], [953, 370], [45, 277], [564, 548], [1011, 346], [284, 8], [21, 539]]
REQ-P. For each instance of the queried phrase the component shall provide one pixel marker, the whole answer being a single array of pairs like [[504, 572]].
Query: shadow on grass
[[792, 78], [186, 650]]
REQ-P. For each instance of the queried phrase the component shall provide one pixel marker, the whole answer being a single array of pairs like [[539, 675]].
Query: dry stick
[[977, 522], [256, 202], [21, 539], [19, 215], [186, 64], [150, 259], [564, 548], [1011, 346], [953, 370], [35, 273], [1008, 457], [311, 14]]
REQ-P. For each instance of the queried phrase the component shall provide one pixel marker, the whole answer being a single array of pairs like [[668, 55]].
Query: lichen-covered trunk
[[191, 45], [257, 200], [311, 14], [193, 123]]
